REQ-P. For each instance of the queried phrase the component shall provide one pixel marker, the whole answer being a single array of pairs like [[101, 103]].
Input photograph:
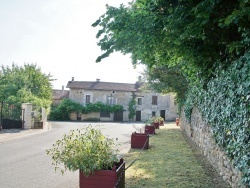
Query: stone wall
[[201, 134]]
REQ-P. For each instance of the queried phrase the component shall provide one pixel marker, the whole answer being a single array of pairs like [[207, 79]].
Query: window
[[104, 114], [154, 100], [87, 99], [139, 101], [111, 100]]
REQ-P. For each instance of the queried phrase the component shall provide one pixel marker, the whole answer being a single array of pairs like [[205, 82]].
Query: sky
[[57, 36]]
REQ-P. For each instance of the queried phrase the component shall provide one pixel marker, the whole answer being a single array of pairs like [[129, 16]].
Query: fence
[[11, 116]]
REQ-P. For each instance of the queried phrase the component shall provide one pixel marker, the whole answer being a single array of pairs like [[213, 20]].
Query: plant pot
[[105, 178], [150, 129], [177, 121], [140, 140], [156, 124]]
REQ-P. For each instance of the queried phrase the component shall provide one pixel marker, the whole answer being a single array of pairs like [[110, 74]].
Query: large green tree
[[196, 36], [26, 83]]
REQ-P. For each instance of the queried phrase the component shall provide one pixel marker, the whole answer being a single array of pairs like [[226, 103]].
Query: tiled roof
[[98, 85], [60, 94]]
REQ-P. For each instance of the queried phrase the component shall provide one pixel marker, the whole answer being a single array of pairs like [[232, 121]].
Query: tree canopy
[[19, 84], [195, 36]]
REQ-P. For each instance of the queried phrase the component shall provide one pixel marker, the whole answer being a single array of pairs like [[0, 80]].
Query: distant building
[[148, 103], [59, 95]]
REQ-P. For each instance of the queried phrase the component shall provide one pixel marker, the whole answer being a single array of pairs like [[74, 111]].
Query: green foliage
[[86, 150], [63, 110], [99, 106], [225, 106], [164, 79], [193, 37], [157, 119], [93, 119], [132, 108], [25, 84]]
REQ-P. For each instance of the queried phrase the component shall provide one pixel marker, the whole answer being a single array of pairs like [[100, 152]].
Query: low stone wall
[[200, 133]]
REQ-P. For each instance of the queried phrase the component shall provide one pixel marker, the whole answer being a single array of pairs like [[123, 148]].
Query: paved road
[[24, 163]]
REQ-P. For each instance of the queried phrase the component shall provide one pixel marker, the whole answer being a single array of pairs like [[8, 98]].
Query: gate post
[[27, 115]]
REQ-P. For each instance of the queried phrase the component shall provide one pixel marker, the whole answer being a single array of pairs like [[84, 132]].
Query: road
[[25, 164]]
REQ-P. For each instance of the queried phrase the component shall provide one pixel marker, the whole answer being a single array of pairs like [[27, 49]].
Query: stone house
[[148, 103], [59, 95]]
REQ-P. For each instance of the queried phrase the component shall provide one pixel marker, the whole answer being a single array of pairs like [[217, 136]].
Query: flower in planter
[[148, 122], [138, 128], [86, 150], [157, 119], [149, 127]]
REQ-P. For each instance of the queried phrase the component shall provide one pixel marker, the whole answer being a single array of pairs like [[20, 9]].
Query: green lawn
[[170, 162]]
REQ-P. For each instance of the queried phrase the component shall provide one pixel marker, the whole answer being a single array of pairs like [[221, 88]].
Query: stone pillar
[[27, 115]]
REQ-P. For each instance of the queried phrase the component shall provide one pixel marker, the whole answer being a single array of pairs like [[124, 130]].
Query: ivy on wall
[[132, 107], [225, 105], [100, 107], [63, 110]]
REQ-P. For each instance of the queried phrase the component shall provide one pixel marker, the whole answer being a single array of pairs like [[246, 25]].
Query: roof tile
[[98, 85]]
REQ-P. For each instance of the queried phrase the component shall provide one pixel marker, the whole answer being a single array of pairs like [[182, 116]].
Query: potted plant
[[139, 140], [94, 155], [161, 121], [149, 128], [155, 121]]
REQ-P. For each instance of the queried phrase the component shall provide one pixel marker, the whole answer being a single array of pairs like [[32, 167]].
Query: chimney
[[73, 78], [139, 79], [97, 80], [63, 89]]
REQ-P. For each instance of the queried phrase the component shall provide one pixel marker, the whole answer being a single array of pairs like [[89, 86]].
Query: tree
[[19, 84], [195, 36], [164, 79], [132, 107]]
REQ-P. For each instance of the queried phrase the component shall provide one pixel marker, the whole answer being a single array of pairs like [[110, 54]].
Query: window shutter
[[154, 100]]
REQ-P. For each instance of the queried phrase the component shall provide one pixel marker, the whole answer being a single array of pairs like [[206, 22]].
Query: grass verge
[[170, 162]]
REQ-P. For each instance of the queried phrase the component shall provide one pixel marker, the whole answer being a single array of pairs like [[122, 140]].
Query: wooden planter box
[[150, 129], [138, 140], [157, 125], [105, 178]]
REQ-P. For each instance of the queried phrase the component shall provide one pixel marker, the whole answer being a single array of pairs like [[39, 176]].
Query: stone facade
[[164, 107], [28, 116], [200, 133]]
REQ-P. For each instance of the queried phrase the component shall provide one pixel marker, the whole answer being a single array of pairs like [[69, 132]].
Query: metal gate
[[11, 116]]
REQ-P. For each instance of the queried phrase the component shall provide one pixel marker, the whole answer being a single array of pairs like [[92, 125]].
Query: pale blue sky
[[58, 37]]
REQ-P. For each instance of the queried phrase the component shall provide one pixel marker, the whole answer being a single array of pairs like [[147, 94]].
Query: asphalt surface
[[25, 164]]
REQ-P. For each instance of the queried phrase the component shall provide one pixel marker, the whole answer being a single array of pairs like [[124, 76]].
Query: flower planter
[[139, 140], [105, 178], [177, 121], [150, 129], [156, 124]]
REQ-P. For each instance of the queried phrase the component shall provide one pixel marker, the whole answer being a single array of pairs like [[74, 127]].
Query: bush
[[92, 119], [86, 150]]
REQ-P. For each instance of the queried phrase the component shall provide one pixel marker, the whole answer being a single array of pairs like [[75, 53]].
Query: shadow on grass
[[170, 162]]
